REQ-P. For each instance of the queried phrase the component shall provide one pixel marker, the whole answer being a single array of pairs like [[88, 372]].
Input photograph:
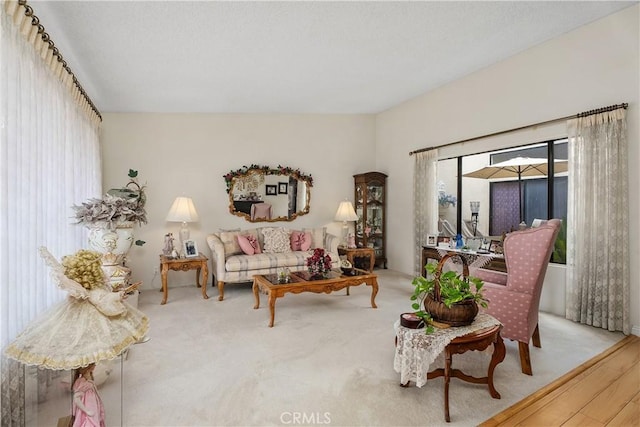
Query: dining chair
[[514, 296]]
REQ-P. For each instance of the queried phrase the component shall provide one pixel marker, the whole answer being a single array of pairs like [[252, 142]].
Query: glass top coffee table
[[301, 281]]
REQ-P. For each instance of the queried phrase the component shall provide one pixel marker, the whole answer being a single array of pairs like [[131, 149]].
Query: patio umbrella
[[518, 167]]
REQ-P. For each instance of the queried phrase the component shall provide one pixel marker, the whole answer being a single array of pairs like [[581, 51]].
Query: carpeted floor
[[328, 360]]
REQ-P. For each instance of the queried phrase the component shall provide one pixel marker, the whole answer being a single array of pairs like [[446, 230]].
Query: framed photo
[[283, 187], [190, 248], [432, 240], [495, 246], [444, 241], [484, 245], [272, 190]]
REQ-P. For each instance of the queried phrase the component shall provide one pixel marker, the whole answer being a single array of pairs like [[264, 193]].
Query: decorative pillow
[[276, 240], [230, 241], [300, 240], [317, 236], [249, 244]]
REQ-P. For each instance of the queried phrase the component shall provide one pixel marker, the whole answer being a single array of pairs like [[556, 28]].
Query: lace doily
[[416, 350], [474, 260]]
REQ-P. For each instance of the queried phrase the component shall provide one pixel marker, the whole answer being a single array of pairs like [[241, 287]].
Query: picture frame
[[484, 246], [190, 248], [444, 241], [432, 239], [271, 190], [283, 187]]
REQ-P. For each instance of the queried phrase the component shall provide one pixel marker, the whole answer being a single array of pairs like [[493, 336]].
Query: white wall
[[188, 154], [591, 67]]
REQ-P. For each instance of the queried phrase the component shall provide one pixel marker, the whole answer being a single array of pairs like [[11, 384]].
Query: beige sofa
[[231, 264]]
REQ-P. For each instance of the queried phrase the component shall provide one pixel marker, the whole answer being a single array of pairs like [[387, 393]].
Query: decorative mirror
[[260, 193]]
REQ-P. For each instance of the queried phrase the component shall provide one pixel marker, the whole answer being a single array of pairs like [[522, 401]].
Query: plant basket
[[459, 314]]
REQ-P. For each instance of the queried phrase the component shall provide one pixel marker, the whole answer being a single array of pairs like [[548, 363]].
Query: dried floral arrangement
[[118, 205], [445, 200], [280, 170]]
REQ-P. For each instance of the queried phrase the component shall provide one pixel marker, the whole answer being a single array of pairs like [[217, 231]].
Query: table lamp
[[345, 213], [475, 210], [182, 210]]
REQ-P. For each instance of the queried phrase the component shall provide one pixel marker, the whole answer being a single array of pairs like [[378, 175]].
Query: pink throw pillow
[[249, 244], [300, 241]]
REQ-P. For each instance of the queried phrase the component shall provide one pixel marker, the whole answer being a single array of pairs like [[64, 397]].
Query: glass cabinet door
[[370, 208]]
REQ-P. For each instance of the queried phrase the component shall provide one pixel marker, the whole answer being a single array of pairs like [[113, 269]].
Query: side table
[[415, 350], [184, 264], [352, 253]]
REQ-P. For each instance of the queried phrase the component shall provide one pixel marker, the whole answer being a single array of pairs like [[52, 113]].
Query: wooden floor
[[604, 391]]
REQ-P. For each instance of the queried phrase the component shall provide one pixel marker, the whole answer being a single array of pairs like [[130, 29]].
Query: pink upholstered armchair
[[514, 296]]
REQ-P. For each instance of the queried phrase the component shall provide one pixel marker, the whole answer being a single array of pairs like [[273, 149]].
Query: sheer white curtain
[[425, 202], [598, 231], [49, 160]]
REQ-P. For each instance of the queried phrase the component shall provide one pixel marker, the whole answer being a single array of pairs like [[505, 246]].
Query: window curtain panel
[[49, 161], [598, 224], [425, 209]]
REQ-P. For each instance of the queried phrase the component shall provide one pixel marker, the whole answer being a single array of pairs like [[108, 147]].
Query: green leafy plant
[[559, 254], [454, 288]]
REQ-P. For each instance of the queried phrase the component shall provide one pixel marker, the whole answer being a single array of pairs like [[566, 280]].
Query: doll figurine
[[87, 405], [351, 241], [168, 244]]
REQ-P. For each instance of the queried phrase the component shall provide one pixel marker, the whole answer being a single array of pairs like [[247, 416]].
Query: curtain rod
[[583, 114], [35, 22]]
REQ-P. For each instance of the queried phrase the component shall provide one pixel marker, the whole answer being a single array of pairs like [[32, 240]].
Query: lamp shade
[[346, 212], [182, 210]]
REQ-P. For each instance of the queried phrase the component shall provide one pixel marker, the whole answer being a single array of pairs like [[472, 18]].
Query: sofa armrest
[[217, 255], [331, 242]]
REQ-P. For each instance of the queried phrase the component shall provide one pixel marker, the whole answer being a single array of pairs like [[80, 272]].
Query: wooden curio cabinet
[[370, 203]]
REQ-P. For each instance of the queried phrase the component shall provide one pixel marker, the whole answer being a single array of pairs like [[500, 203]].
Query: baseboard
[[635, 330]]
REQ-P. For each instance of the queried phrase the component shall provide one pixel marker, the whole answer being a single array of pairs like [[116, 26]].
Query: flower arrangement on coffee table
[[319, 264]]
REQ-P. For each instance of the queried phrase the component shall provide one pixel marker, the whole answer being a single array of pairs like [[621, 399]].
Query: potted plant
[[110, 221], [450, 297], [118, 206]]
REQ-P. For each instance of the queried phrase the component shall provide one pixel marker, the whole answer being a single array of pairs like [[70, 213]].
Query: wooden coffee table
[[301, 282]]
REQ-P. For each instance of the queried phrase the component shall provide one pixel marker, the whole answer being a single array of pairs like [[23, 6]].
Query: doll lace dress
[[89, 326]]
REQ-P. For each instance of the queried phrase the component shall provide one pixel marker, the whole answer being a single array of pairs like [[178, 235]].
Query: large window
[[506, 200]]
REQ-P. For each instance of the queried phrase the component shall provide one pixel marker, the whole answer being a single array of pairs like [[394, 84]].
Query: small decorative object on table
[[346, 267], [411, 320], [284, 275], [167, 250], [319, 264], [351, 241]]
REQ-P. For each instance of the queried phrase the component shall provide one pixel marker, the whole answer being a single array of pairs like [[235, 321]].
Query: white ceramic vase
[[113, 244]]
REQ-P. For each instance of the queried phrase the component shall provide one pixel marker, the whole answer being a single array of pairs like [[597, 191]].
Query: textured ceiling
[[291, 57]]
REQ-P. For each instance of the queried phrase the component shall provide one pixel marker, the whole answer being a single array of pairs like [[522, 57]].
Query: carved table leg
[[256, 294], [447, 378], [198, 276], [374, 292], [163, 275], [205, 274], [497, 357], [272, 307]]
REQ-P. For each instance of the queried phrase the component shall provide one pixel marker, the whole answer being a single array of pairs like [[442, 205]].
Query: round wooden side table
[[477, 340]]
